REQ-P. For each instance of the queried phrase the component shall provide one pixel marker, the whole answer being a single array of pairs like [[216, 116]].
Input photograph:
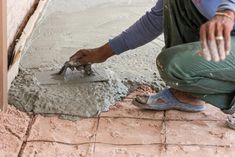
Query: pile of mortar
[[67, 100]]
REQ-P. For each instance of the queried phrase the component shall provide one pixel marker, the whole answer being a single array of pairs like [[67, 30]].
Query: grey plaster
[[81, 100], [67, 26]]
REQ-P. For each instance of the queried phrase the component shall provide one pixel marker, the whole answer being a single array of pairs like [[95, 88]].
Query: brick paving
[[124, 131]]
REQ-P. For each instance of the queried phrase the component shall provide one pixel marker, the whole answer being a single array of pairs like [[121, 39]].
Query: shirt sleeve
[[227, 4], [147, 28]]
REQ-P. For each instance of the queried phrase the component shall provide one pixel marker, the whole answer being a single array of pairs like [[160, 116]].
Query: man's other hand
[[215, 36]]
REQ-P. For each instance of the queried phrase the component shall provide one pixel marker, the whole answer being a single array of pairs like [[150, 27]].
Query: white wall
[[16, 12]]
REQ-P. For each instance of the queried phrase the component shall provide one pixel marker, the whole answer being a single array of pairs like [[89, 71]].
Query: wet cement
[[67, 26], [71, 100]]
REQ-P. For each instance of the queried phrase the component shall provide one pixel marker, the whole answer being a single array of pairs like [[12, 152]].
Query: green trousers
[[180, 66]]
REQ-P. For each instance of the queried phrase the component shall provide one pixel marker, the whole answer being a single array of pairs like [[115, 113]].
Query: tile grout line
[[26, 136], [131, 118], [164, 125], [165, 119], [200, 145], [85, 143], [96, 130], [170, 144]]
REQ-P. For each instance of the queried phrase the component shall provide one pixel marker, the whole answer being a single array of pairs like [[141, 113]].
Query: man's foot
[[186, 98], [169, 99]]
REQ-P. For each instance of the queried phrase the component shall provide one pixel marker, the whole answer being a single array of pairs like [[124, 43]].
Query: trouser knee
[[171, 69]]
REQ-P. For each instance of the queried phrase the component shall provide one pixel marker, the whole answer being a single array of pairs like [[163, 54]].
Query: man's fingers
[[213, 50], [220, 41], [84, 57], [203, 41], [227, 40], [212, 42], [221, 49]]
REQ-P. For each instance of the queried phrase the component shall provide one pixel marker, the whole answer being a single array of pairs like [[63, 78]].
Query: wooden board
[[3, 56], [14, 69]]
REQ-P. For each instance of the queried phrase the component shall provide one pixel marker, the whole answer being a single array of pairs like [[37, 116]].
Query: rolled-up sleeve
[[147, 28], [227, 4]]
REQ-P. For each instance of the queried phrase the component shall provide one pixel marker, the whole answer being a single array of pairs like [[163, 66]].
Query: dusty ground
[[124, 131]]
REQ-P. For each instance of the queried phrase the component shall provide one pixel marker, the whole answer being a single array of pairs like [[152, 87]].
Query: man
[[198, 60]]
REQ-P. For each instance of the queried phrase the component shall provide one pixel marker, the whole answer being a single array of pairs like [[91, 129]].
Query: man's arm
[[227, 5], [143, 31]]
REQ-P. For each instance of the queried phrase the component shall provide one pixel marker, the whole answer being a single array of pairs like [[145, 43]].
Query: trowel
[[75, 65], [72, 73]]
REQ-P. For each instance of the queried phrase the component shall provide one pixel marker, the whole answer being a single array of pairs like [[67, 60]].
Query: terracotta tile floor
[[124, 131]]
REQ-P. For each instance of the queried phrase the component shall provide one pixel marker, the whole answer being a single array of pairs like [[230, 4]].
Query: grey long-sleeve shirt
[[150, 26]]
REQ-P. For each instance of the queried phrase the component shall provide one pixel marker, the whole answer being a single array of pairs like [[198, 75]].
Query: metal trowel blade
[[71, 77]]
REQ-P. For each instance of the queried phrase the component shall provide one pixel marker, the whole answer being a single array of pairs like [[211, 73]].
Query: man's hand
[[215, 37], [89, 56]]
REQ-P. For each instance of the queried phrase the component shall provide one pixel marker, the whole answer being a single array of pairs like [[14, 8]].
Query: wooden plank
[[3, 56], [14, 68], [18, 34]]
